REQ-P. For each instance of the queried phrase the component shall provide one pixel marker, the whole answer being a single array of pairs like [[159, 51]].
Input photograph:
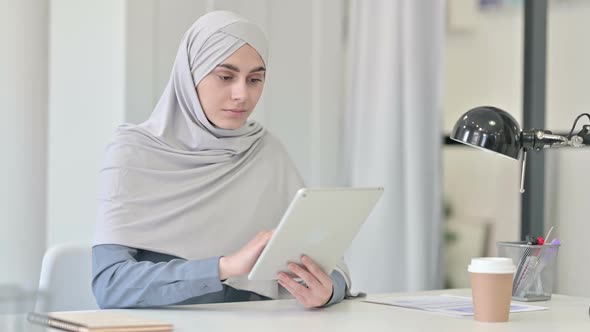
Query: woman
[[187, 198]]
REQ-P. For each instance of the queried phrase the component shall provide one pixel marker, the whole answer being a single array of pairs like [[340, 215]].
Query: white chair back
[[65, 282]]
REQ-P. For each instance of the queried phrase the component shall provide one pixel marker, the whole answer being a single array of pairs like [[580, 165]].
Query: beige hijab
[[177, 184]]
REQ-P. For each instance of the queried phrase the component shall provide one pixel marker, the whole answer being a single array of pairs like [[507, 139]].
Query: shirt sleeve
[[120, 281], [339, 288]]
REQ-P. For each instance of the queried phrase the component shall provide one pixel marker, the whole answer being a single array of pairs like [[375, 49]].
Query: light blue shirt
[[125, 277]]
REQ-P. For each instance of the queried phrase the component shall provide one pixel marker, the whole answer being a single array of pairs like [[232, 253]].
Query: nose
[[239, 92]]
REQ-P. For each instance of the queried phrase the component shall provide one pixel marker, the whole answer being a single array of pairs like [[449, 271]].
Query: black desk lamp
[[492, 129]]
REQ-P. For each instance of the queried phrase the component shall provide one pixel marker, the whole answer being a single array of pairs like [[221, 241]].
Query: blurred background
[[360, 93]]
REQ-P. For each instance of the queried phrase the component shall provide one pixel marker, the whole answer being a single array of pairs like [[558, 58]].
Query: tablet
[[320, 223]]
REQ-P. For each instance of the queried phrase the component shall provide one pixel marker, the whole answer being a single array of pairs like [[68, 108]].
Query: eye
[[225, 77], [255, 80]]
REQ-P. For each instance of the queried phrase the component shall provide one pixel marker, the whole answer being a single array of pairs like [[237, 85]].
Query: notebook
[[97, 321]]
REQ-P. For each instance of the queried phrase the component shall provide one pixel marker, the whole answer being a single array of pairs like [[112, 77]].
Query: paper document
[[444, 304]]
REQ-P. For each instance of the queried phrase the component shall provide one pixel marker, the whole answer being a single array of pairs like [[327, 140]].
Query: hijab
[[179, 185]]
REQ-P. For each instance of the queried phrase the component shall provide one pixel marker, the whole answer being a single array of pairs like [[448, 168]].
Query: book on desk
[[97, 321]]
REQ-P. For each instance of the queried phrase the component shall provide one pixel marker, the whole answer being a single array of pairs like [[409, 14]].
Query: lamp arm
[[538, 139], [582, 138], [552, 141]]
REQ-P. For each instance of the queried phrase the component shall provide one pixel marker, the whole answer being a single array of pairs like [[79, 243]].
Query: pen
[[548, 233]]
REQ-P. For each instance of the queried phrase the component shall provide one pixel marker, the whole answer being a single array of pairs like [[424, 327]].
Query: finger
[[304, 301], [318, 294], [293, 286], [310, 302], [261, 239], [262, 235], [310, 280], [255, 246], [317, 271], [265, 236]]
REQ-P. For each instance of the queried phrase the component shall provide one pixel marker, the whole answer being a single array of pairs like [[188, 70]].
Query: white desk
[[564, 314]]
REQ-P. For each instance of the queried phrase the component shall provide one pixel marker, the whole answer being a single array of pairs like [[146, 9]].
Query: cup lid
[[491, 265]]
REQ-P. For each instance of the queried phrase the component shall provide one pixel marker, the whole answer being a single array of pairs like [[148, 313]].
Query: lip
[[236, 111]]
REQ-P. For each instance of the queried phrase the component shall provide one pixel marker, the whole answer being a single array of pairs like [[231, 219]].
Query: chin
[[230, 125]]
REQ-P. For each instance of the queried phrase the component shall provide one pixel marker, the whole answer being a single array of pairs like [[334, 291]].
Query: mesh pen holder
[[535, 269]]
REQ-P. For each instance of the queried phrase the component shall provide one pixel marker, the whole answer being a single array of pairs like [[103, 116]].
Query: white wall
[[23, 131], [304, 97], [568, 73], [86, 102]]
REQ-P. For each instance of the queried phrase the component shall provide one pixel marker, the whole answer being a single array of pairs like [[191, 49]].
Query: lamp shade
[[491, 129]]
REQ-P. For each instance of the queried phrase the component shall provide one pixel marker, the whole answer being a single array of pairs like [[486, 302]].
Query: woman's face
[[229, 93]]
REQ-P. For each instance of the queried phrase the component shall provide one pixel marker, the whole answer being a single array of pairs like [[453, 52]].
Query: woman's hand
[[242, 261], [318, 287]]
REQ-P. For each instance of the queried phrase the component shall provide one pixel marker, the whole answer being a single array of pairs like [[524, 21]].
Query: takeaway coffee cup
[[491, 286]]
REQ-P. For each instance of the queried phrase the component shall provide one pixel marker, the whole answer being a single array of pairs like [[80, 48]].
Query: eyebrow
[[236, 69]]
